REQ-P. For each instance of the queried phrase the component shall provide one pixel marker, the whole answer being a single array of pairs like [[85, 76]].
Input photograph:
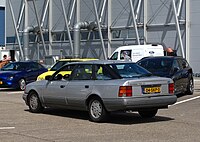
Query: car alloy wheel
[[97, 111], [34, 103], [22, 84], [190, 87]]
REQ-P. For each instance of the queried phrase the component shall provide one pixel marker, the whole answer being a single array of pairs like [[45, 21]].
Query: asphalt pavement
[[178, 123]]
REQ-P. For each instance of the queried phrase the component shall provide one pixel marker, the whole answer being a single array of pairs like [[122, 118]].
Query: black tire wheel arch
[[190, 86], [34, 103], [97, 111]]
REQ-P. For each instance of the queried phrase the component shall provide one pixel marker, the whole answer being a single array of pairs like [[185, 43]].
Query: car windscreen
[[59, 64], [15, 67], [157, 66], [129, 70]]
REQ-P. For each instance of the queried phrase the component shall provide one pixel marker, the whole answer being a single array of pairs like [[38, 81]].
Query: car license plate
[[149, 90], [1, 82]]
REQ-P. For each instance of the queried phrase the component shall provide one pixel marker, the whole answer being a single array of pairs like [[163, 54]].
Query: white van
[[137, 52]]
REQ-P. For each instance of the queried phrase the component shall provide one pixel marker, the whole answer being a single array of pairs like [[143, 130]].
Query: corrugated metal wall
[[2, 26], [120, 17], [195, 35]]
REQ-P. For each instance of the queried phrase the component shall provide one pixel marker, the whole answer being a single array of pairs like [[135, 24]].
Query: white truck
[[137, 52], [13, 54]]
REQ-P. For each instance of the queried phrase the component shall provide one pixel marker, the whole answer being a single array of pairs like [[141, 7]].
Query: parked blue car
[[17, 74]]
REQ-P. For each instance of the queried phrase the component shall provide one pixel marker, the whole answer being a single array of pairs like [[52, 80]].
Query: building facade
[[92, 28], [2, 23]]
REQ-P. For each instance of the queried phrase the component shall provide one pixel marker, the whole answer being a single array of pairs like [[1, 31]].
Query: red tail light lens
[[125, 91], [171, 88]]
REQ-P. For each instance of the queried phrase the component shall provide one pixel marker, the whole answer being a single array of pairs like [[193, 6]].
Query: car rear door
[[31, 72], [176, 75], [35, 70], [180, 76], [184, 73]]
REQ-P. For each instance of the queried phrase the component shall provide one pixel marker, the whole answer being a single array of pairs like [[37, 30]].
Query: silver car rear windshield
[[129, 70]]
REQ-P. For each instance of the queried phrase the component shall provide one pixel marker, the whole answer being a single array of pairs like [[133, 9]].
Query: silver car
[[100, 87]]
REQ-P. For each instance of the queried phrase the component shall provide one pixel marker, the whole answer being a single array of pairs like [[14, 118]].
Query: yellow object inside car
[[59, 64]]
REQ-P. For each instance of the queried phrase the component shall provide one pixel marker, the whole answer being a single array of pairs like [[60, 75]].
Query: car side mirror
[[66, 76], [58, 77], [184, 65], [47, 77], [176, 69]]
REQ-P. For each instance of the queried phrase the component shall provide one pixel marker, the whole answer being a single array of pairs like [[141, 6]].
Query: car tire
[[97, 111], [34, 103], [190, 86], [22, 84], [148, 113]]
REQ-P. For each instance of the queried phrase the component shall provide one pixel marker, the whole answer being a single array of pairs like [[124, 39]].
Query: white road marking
[[197, 79], [187, 100], [15, 92], [6, 128]]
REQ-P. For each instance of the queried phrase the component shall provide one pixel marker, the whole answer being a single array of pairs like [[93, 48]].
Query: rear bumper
[[139, 103]]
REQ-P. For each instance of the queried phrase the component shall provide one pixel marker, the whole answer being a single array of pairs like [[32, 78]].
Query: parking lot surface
[[180, 122]]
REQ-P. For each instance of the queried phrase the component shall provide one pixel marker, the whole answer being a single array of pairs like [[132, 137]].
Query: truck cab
[[137, 52]]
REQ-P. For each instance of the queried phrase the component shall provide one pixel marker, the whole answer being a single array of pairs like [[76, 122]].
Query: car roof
[[29, 61], [162, 57], [102, 62], [78, 59]]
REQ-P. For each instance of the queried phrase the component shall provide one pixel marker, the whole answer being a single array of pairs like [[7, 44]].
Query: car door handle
[[62, 86], [86, 86]]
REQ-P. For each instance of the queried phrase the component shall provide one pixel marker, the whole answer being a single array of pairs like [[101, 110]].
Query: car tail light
[[171, 88], [125, 91]]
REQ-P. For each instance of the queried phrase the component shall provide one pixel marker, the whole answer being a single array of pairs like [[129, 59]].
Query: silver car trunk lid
[[149, 86]]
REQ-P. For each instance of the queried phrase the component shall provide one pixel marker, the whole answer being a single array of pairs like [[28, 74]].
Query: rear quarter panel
[[107, 88]]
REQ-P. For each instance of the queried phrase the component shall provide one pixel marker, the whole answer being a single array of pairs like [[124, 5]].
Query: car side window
[[182, 63], [128, 53], [101, 73], [82, 72], [58, 65], [142, 63], [114, 56], [34, 66], [10, 66], [64, 73], [149, 65], [175, 64], [39, 66], [22, 66], [68, 68]]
